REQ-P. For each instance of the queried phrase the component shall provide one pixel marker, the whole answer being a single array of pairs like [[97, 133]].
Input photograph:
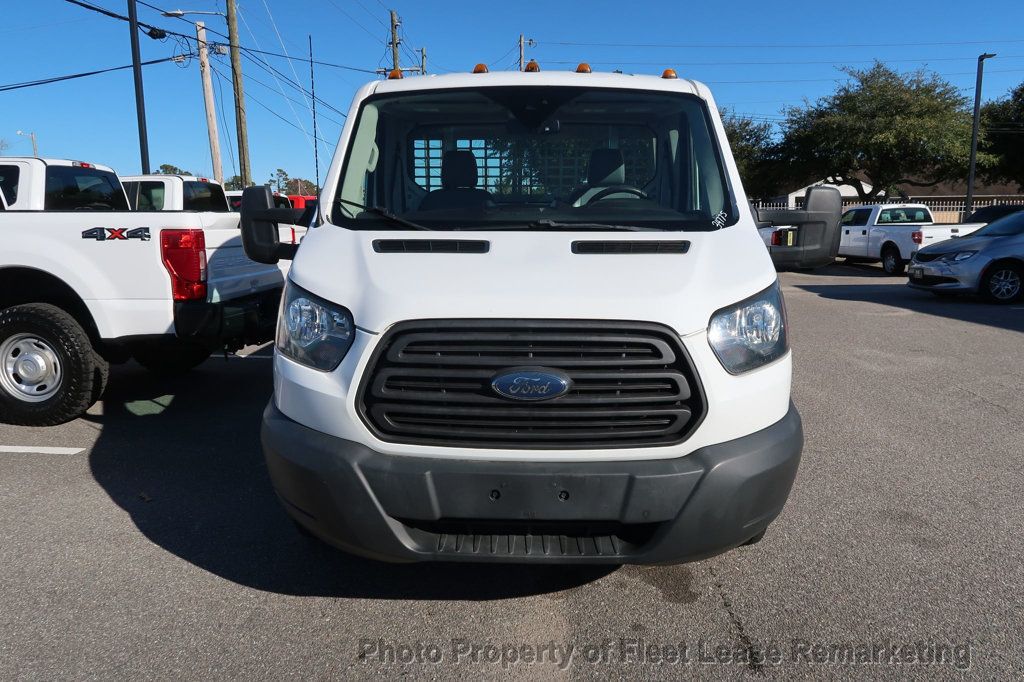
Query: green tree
[[301, 186], [756, 153], [279, 180], [233, 183], [884, 127], [168, 169], [1003, 122]]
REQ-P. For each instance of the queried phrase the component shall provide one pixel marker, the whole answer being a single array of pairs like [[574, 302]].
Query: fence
[[944, 209]]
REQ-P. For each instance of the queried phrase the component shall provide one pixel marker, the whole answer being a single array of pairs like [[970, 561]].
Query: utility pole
[[211, 113], [236, 81], [523, 43], [394, 40], [423, 61], [968, 205], [140, 98], [31, 136]]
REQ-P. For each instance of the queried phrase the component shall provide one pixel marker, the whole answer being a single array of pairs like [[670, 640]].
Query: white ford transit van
[[533, 322]]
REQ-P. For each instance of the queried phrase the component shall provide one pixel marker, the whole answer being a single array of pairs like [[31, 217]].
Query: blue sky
[[756, 57]]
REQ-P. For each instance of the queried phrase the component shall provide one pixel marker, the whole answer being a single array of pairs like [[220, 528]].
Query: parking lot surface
[[144, 540]]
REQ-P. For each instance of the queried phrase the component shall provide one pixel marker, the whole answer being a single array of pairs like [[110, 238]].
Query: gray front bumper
[[400, 508]]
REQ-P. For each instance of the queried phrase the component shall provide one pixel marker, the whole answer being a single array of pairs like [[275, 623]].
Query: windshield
[[515, 157], [1009, 226]]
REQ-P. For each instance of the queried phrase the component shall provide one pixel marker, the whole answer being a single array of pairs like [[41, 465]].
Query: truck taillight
[[184, 256], [776, 238], [917, 236]]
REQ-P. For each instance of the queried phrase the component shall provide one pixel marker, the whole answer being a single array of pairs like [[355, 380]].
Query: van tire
[[171, 357], [892, 261], [63, 346]]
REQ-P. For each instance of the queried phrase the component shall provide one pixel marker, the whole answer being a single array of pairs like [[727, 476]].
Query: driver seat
[[606, 168], [459, 178]]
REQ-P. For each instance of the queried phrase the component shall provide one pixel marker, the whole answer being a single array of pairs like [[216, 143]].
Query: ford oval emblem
[[529, 383]]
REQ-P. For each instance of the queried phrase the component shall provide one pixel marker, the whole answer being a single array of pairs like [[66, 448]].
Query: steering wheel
[[616, 189]]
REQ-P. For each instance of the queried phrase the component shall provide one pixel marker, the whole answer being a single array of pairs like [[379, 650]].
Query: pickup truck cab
[[86, 281], [891, 233], [532, 322]]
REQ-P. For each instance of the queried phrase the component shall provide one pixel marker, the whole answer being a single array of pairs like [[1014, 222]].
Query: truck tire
[[49, 371], [1003, 283], [892, 261], [170, 358]]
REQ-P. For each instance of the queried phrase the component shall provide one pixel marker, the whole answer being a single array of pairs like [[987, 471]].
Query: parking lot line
[[40, 450]]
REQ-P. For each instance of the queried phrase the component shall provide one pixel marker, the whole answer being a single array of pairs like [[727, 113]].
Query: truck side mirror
[[259, 222], [814, 241]]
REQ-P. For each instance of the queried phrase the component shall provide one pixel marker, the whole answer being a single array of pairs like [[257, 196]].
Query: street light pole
[[968, 205], [31, 136], [140, 98]]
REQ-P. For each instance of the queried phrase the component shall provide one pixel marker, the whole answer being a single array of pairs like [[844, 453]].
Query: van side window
[[9, 182]]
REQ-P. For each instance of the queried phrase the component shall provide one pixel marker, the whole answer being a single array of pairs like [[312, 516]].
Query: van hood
[[534, 275]]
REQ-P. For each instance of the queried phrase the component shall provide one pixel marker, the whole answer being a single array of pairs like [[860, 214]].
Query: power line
[[707, 46], [58, 79], [785, 63], [354, 20]]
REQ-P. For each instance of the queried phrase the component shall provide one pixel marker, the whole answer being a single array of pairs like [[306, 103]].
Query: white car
[[481, 357], [85, 281]]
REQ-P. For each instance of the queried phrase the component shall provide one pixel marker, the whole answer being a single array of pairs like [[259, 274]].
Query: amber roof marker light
[[481, 68], [669, 73], [394, 74], [532, 66], [583, 68]]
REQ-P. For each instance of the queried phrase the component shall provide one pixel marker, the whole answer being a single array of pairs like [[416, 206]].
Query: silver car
[[989, 262]]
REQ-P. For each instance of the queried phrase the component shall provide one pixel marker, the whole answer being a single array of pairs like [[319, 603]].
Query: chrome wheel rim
[[889, 263], [31, 370], [1004, 284]]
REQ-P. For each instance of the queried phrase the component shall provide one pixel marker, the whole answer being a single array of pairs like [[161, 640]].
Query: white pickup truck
[[892, 234], [85, 281]]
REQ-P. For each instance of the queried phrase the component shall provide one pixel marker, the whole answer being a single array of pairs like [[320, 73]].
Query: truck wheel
[[172, 357], [49, 371], [1003, 283], [892, 262]]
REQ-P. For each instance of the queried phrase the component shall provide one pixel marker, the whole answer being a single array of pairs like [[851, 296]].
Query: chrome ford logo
[[531, 384]]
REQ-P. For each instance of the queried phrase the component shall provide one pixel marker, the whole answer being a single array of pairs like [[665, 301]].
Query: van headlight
[[312, 331], [750, 333]]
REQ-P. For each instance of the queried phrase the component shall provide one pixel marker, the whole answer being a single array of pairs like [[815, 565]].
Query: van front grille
[[632, 384]]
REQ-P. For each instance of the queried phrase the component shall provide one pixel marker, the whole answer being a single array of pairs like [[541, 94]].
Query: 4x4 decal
[[102, 234]]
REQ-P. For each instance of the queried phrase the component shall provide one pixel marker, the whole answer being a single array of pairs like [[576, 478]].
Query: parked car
[[984, 216], [158, 192], [235, 200], [892, 233], [85, 281], [989, 262], [469, 368]]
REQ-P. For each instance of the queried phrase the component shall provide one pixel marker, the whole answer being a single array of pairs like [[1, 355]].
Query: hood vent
[[430, 246], [639, 247]]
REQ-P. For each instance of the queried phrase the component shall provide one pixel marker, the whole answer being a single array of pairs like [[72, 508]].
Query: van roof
[[625, 81]]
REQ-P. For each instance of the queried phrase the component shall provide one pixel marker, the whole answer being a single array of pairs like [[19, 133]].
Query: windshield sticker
[[719, 220]]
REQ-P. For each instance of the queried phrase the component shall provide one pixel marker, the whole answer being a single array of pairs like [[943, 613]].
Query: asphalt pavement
[[144, 540]]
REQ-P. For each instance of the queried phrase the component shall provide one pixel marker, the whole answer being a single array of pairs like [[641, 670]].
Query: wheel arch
[[21, 284]]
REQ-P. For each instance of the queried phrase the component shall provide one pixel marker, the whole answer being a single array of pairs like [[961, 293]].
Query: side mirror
[[815, 239], [259, 222]]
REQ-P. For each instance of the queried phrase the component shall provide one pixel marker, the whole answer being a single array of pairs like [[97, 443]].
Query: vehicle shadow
[[893, 292], [182, 458]]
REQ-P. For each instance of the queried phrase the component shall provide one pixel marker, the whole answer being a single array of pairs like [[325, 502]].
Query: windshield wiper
[[591, 226], [386, 214]]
